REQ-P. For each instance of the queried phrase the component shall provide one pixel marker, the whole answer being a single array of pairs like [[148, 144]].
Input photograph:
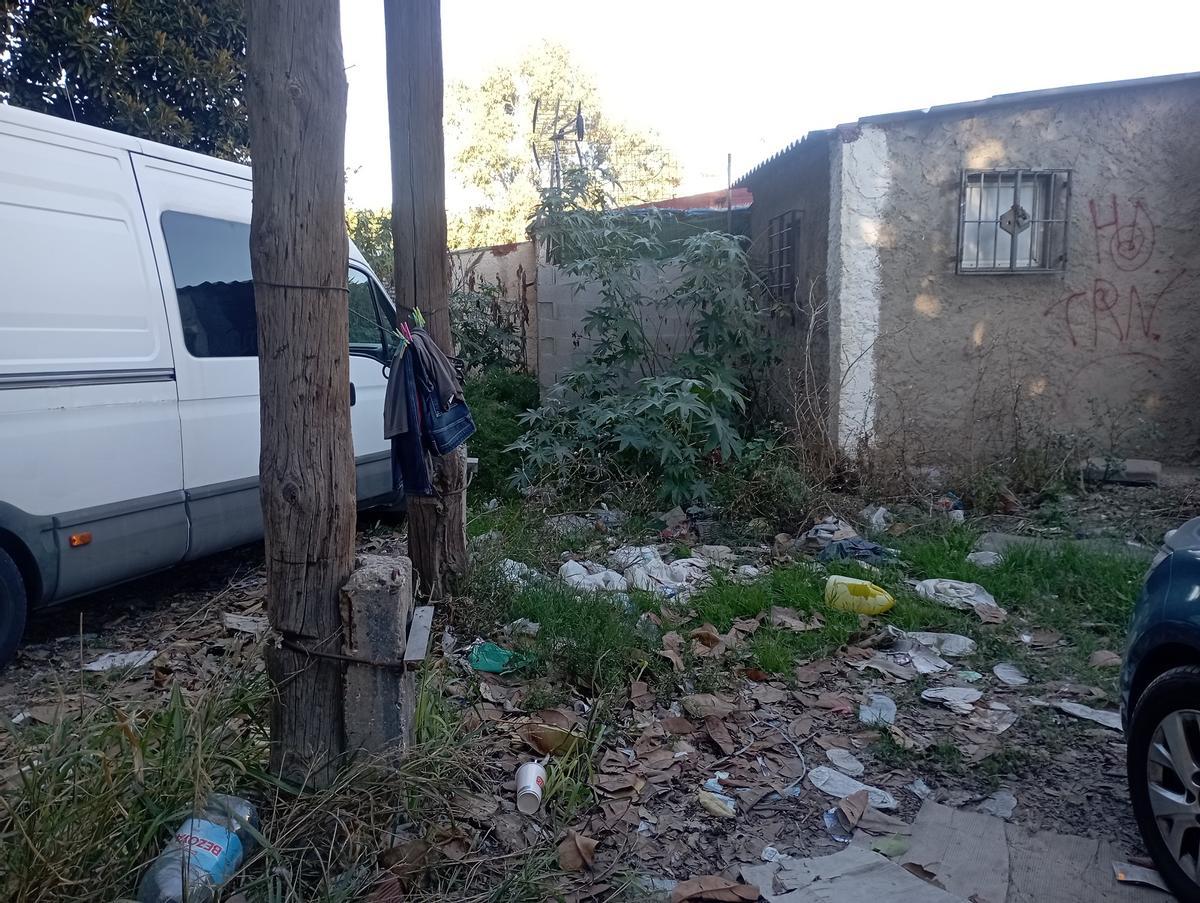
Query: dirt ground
[[765, 735]]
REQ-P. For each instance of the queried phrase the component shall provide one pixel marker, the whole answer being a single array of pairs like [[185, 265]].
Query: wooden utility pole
[[437, 537], [296, 100]]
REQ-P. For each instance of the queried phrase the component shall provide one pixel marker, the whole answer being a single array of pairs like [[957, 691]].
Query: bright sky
[[748, 77]]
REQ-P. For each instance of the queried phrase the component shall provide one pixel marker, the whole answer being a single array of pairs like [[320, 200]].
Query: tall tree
[[437, 541], [166, 70], [298, 252], [494, 134]]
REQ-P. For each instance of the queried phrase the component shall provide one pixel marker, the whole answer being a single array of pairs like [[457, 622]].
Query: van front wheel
[[13, 607]]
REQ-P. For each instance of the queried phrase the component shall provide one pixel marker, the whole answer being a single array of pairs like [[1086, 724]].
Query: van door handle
[[353, 395]]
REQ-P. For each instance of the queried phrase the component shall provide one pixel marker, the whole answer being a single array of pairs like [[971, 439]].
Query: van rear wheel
[[14, 604]]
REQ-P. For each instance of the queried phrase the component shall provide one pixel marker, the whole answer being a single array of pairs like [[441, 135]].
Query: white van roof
[[56, 125]]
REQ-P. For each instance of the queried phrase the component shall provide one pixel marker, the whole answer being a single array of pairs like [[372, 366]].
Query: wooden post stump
[[380, 695]]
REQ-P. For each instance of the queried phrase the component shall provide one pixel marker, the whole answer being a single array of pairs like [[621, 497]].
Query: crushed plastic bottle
[[205, 853]]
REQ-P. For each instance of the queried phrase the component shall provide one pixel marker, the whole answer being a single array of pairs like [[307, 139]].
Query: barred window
[[783, 239], [1013, 221]]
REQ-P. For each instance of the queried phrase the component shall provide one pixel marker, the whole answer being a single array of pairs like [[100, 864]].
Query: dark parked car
[[1160, 696]]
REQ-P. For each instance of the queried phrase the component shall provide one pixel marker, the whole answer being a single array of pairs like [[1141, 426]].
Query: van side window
[[372, 320], [210, 261]]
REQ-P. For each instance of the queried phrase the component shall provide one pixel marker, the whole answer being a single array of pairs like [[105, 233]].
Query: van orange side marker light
[[79, 539]]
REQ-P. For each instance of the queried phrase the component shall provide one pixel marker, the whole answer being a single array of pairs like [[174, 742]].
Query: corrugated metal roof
[[996, 100], [705, 202]]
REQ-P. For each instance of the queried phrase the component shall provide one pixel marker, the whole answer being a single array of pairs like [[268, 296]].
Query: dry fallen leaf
[[835, 702], [576, 852], [706, 634], [851, 809], [790, 619], [674, 658], [551, 731], [719, 734], [1042, 638], [640, 695], [713, 888], [701, 705], [1104, 658], [765, 694], [674, 724]]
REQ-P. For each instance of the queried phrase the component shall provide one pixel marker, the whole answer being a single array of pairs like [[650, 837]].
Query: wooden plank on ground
[[419, 634]]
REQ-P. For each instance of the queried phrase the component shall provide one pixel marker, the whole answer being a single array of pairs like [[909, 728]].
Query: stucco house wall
[[511, 268], [957, 366]]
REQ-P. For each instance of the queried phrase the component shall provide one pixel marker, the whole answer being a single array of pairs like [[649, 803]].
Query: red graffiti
[[1107, 311], [1128, 244]]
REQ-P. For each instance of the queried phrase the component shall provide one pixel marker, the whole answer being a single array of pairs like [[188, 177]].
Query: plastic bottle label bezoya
[[213, 848]]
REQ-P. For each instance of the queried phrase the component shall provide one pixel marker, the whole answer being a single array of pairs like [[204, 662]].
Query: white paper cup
[[531, 778]]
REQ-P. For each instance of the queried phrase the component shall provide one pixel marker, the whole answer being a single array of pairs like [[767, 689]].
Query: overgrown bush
[[639, 405], [768, 481], [498, 397]]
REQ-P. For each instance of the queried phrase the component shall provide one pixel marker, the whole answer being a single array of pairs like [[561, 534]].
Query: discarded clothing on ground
[[857, 549]]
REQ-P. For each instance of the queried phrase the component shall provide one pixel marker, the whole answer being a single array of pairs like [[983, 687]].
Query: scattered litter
[[713, 887], [985, 558], [523, 627], [579, 575], [952, 645], [908, 649], [255, 625], [892, 846], [643, 568], [837, 785], [516, 572], [1128, 873], [861, 550], [877, 710], [831, 529], [841, 820], [919, 789], [745, 573], [845, 762], [770, 854], [877, 516], [995, 719], [112, 660], [1009, 674], [1104, 658], [1111, 720], [490, 658], [963, 596], [956, 699], [860, 596], [1001, 804], [1042, 638], [718, 804], [531, 778], [854, 875], [721, 556]]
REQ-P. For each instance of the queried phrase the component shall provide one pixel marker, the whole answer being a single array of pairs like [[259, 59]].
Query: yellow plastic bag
[[860, 596]]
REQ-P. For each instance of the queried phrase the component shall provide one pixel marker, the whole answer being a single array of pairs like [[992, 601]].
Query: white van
[[129, 418]]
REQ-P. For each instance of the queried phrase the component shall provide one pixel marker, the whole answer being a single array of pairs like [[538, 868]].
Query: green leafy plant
[[640, 404]]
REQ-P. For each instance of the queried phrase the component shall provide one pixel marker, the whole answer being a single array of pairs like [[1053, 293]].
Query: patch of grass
[[891, 754], [1084, 594], [589, 638], [770, 650]]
